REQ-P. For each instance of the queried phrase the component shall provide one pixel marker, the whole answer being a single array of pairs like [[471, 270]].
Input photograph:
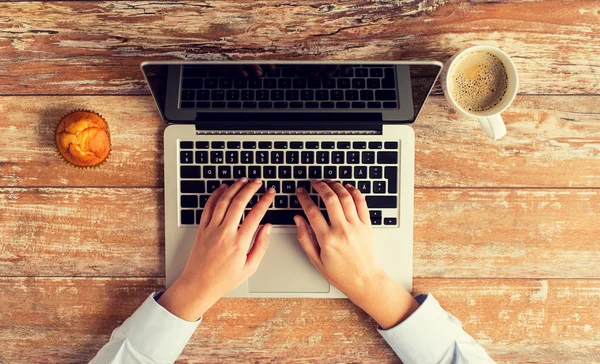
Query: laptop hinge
[[287, 132]]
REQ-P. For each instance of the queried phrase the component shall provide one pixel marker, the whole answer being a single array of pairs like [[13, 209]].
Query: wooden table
[[506, 232]]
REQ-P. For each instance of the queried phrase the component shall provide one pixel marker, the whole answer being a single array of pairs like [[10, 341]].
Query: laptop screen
[[276, 92]]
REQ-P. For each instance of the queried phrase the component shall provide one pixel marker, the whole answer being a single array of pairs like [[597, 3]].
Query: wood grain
[[467, 233], [99, 49], [534, 321], [546, 136]]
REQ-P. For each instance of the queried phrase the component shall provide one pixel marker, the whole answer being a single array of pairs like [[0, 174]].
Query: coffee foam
[[479, 81]]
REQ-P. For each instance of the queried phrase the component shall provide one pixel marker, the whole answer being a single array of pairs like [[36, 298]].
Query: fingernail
[[257, 180], [297, 220], [243, 179], [223, 185], [268, 231], [300, 190], [271, 190], [348, 185]]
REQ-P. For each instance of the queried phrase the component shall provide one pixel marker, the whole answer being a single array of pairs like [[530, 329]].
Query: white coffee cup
[[490, 119]]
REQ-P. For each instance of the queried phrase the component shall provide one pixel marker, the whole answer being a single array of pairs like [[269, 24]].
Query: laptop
[[289, 123]]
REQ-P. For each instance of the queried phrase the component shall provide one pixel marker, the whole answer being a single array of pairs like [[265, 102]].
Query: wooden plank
[[516, 321], [99, 49], [547, 136], [458, 233]]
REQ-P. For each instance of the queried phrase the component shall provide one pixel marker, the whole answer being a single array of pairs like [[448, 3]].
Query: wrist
[[186, 300]]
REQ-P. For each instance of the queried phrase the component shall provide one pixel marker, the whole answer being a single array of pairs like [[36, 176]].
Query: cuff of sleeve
[[425, 335], [155, 332]]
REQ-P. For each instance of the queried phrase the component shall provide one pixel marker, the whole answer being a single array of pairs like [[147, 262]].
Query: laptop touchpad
[[286, 269]]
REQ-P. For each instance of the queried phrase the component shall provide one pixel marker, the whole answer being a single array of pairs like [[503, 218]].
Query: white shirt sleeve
[[152, 335], [433, 336]]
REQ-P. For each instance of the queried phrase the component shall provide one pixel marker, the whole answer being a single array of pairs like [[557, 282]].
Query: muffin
[[83, 139]]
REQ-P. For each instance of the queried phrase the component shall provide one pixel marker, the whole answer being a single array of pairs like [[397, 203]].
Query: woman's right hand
[[342, 251]]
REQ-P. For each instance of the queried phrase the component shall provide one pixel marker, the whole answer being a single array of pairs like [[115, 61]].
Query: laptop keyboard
[[363, 87], [371, 166]]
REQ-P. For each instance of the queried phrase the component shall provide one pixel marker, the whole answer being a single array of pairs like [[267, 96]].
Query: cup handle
[[494, 126]]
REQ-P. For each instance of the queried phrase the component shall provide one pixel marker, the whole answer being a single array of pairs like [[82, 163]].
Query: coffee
[[479, 81]]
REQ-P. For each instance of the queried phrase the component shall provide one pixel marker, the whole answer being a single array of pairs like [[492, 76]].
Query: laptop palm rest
[[286, 269]]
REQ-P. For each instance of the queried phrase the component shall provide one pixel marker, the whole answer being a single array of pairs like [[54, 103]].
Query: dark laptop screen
[[295, 92]]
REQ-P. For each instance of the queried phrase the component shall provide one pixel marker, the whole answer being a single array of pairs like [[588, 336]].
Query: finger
[[346, 201], [210, 205], [314, 215], [361, 204], [238, 202], [332, 202], [257, 213], [222, 205], [255, 255], [254, 70], [308, 243]]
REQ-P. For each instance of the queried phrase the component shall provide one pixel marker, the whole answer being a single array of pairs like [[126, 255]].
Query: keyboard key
[[379, 187], [212, 185], [314, 172], [359, 105], [281, 145], [345, 172], [217, 145], [225, 83], [375, 213], [330, 172], [390, 221], [342, 105], [247, 95], [307, 157], [232, 95], [299, 83], [249, 145], [375, 145], [204, 200], [203, 105], [198, 216], [224, 172], [296, 145], [281, 217], [189, 172], [294, 203], [186, 145], [187, 217], [202, 95], [216, 157], [375, 220], [390, 79], [351, 95], [337, 157], [281, 105], [281, 201], [322, 95], [336, 94], [367, 95], [322, 157], [247, 157], [359, 145], [292, 95], [314, 83], [343, 145], [291, 157], [239, 172], [262, 157], [351, 183], [288, 187], [270, 83], [305, 184], [277, 95], [361, 72], [269, 172], [300, 172], [343, 83], [307, 95], [285, 83], [329, 83], [254, 172], [211, 83], [255, 83], [188, 105], [373, 83], [391, 174], [249, 105], [368, 157], [387, 158], [382, 202], [191, 186], [234, 145], [364, 187], [284, 172], [201, 145], [353, 157], [186, 157], [376, 72], [311, 105], [384, 95], [327, 105], [360, 172], [312, 145], [262, 95], [217, 95], [277, 157], [391, 145], [240, 83], [228, 182], [201, 157], [296, 105], [390, 105], [374, 105], [375, 172], [218, 105], [327, 145], [265, 105]]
